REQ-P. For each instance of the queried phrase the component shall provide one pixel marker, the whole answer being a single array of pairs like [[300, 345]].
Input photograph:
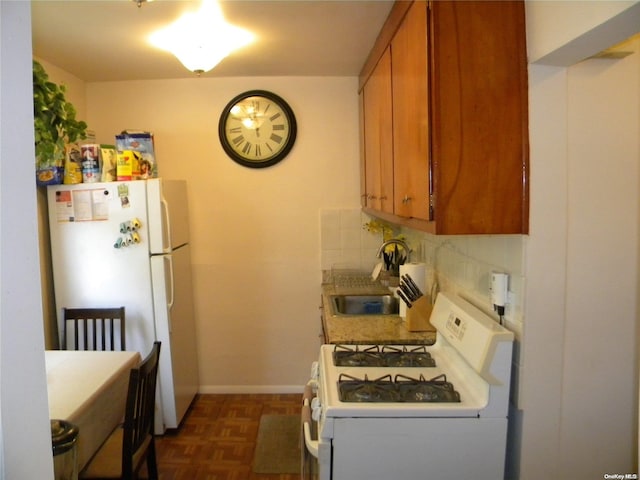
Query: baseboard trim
[[249, 389]]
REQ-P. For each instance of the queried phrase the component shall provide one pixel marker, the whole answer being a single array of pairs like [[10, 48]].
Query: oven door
[[316, 454]]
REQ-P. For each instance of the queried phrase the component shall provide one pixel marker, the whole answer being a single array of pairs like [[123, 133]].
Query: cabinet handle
[[406, 199], [384, 197], [371, 197]]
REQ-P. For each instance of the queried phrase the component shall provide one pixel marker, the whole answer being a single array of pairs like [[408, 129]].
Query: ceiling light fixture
[[140, 2], [200, 40]]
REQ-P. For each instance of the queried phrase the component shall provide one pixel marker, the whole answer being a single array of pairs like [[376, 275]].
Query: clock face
[[257, 129]]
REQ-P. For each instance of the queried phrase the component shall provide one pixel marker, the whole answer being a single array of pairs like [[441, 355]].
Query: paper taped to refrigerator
[[82, 205]]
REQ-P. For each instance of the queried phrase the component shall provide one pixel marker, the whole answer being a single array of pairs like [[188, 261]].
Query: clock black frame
[[269, 161]]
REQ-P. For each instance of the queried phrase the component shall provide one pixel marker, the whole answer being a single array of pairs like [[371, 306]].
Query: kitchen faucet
[[391, 242]]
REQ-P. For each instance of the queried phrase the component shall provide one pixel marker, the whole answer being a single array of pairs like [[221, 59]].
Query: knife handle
[[407, 278], [407, 291], [404, 298]]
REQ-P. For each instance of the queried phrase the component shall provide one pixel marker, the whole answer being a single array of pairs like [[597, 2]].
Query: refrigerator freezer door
[[168, 214], [88, 271], [175, 327]]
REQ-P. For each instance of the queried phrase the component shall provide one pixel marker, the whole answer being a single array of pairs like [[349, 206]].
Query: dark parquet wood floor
[[217, 438]]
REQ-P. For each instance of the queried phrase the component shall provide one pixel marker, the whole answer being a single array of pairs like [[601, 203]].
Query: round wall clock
[[257, 129]]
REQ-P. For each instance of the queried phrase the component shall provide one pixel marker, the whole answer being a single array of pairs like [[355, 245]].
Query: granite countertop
[[367, 329]]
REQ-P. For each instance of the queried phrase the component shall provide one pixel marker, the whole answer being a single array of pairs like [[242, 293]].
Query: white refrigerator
[[127, 243]]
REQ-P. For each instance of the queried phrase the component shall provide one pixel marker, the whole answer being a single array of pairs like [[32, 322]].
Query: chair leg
[[152, 467]]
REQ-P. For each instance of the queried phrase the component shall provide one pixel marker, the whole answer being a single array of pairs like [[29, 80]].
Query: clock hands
[[257, 130]]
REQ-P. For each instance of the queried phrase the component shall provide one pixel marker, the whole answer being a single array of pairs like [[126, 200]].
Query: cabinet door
[[363, 167], [411, 115], [479, 116], [378, 143]]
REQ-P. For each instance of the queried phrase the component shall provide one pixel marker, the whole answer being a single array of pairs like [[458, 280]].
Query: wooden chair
[[93, 328], [130, 445]]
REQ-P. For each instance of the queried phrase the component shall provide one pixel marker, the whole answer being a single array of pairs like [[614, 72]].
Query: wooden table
[[89, 389]]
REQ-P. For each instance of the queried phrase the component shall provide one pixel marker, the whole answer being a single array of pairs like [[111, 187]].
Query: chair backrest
[[93, 328], [140, 409]]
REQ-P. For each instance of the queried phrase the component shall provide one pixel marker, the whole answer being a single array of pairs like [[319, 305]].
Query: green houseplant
[[55, 126]]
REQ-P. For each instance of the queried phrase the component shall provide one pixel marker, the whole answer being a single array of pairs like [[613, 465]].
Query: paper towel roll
[[418, 273]]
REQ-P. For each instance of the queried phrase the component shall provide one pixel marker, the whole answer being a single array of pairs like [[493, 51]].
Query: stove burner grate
[[434, 390], [364, 390], [400, 389], [386, 356]]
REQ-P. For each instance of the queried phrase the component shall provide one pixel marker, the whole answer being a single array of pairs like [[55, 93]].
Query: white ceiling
[[105, 40]]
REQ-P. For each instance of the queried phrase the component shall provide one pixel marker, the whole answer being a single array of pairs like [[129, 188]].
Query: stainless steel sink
[[380, 304]]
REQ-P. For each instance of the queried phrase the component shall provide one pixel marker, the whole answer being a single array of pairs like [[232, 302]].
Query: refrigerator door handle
[[166, 242], [169, 259]]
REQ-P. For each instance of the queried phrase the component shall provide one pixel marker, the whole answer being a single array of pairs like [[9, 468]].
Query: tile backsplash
[[344, 242], [464, 265]]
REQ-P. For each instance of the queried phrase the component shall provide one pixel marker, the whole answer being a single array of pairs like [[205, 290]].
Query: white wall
[[255, 232], [578, 403], [545, 264], [563, 33], [24, 419], [600, 339]]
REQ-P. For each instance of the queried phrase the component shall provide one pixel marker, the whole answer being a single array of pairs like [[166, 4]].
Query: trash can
[[64, 439]]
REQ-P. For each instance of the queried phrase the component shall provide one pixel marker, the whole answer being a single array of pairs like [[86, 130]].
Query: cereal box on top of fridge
[[108, 159], [72, 164], [90, 163], [124, 165], [142, 144]]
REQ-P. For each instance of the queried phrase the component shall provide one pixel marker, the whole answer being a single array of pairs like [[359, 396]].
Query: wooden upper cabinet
[[377, 138], [459, 144], [411, 115], [479, 116]]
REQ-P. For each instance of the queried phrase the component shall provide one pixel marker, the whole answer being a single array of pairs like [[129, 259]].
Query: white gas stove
[[413, 412]]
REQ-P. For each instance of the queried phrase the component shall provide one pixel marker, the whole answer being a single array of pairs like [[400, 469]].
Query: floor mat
[[278, 445]]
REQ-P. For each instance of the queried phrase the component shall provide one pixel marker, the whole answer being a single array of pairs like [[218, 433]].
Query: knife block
[[418, 316]]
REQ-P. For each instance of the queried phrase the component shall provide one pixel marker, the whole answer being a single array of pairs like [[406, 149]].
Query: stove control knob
[[316, 409]]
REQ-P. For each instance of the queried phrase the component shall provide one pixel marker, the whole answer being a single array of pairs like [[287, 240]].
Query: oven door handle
[[312, 445]]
